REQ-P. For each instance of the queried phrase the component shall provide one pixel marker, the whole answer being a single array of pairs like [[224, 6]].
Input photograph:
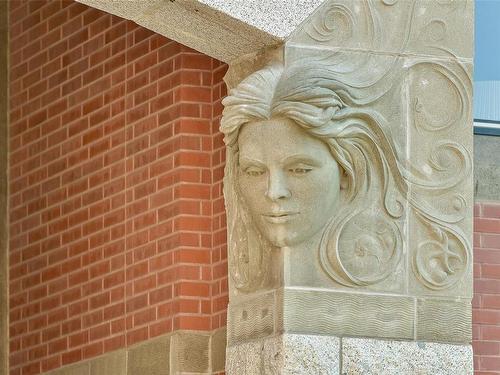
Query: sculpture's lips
[[279, 217]]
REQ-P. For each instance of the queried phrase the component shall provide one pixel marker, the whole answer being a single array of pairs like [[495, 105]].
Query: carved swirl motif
[[337, 22], [366, 258], [448, 165], [441, 262], [436, 81]]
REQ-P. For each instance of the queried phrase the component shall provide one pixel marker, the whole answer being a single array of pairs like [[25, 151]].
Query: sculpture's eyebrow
[[249, 161], [302, 158]]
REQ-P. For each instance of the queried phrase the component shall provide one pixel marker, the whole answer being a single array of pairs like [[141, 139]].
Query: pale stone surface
[[251, 318], [349, 314], [411, 27], [367, 356], [114, 363], [444, 320], [308, 354], [151, 357], [76, 369], [278, 17], [180, 352], [190, 352], [218, 350], [285, 354]]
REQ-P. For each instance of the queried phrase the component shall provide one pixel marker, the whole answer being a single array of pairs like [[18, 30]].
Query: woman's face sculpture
[[288, 180]]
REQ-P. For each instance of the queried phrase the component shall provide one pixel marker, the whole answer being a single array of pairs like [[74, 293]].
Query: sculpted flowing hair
[[340, 115]]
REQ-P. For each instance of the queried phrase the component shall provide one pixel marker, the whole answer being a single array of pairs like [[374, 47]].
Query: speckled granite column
[[348, 190]]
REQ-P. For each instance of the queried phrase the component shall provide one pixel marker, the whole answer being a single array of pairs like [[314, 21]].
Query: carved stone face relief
[[289, 181], [296, 133]]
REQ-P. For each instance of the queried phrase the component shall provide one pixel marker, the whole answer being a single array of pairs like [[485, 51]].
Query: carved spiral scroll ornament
[[367, 251], [436, 84], [441, 262], [337, 21]]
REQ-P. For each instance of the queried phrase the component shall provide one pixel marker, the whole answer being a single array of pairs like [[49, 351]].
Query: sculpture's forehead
[[276, 137]]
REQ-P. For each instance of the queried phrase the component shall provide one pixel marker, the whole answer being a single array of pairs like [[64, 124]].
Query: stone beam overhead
[[222, 29]]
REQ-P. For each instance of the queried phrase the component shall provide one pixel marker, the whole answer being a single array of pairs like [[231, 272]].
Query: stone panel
[[190, 352], [347, 314], [444, 320], [440, 144], [218, 350], [413, 27], [76, 369], [151, 357], [114, 363], [251, 318]]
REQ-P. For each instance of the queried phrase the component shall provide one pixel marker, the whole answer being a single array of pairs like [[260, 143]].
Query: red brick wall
[[486, 304], [117, 226]]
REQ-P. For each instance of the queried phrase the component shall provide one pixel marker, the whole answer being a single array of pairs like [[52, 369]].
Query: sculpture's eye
[[300, 169], [254, 171]]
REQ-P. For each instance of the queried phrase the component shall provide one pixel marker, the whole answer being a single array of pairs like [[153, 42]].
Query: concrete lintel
[[225, 30]]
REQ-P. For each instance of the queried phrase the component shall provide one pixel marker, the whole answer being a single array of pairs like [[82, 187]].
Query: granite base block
[[285, 354], [369, 356], [298, 354]]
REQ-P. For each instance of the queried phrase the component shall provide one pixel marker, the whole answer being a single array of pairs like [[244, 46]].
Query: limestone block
[[348, 314], [151, 357], [251, 318], [368, 356], [440, 146], [444, 320], [413, 27], [218, 350], [190, 352], [114, 363], [76, 369]]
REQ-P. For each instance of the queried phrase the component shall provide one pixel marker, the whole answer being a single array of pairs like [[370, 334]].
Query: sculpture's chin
[[290, 234], [280, 239], [284, 238]]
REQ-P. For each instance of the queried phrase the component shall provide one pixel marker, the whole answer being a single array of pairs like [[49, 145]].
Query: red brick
[[491, 210], [197, 323], [80, 178], [71, 357], [487, 225], [78, 339], [137, 335], [92, 350], [114, 343], [490, 240], [51, 363]]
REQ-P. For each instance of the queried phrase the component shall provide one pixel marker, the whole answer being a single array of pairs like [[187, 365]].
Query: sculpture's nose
[[277, 187]]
